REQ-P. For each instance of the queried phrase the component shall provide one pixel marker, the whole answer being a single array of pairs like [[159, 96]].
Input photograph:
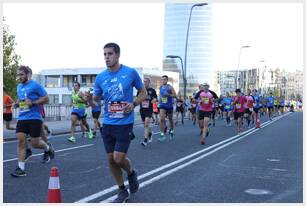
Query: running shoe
[[72, 139], [208, 131], [161, 138], [90, 134], [165, 131], [123, 196], [46, 157], [51, 151], [28, 154], [144, 143], [171, 134], [202, 141], [150, 139], [18, 173], [133, 182]]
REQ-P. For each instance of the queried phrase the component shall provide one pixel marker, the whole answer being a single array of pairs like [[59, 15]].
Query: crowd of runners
[[113, 91]]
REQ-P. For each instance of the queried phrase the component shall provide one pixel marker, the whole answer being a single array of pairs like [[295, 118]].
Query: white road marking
[[115, 187], [258, 192], [167, 173], [282, 170], [273, 160], [61, 150]]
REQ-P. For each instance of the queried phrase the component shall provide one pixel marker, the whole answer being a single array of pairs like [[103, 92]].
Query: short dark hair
[[77, 83], [114, 46], [25, 69], [238, 90], [165, 76]]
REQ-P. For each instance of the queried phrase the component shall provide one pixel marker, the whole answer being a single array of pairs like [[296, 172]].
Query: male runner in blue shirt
[[116, 85]]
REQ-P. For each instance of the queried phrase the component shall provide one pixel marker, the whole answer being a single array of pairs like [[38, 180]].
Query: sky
[[67, 35]]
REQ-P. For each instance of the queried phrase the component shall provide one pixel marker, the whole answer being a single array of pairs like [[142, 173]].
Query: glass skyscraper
[[199, 50]]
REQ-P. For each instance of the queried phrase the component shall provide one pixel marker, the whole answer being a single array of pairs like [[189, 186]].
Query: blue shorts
[[116, 137], [169, 110], [80, 113]]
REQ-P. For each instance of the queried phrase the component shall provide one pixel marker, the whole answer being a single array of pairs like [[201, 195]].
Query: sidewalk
[[56, 127]]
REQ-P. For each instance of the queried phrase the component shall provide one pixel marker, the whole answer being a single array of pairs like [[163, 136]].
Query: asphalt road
[[261, 165]]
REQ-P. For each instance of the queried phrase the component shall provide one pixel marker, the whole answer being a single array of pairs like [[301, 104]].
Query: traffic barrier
[[54, 191]]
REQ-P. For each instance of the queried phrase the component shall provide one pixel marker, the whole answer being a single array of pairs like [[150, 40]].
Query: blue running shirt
[[117, 89], [165, 101], [227, 103], [257, 101], [270, 101], [33, 91]]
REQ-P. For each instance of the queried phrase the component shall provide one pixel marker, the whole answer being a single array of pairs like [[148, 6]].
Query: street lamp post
[[239, 63], [186, 44], [183, 72]]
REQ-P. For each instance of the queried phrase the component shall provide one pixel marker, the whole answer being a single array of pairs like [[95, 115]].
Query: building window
[[52, 81], [83, 80], [69, 79], [92, 79]]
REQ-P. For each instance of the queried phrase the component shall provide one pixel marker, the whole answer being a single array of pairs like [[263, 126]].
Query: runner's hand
[[129, 108], [28, 102]]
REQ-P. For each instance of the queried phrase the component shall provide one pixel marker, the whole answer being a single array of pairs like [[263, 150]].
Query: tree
[[10, 61]]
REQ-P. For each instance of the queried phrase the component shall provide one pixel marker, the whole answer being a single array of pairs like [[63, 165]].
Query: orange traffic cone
[[257, 123], [54, 191]]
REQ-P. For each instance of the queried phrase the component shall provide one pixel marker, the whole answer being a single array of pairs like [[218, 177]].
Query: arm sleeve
[[41, 91], [97, 89], [137, 83]]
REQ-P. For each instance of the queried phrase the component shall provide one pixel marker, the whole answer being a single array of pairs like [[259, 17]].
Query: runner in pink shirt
[[238, 103], [205, 99], [248, 107]]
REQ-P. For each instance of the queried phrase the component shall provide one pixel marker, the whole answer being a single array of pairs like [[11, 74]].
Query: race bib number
[[164, 99], [227, 106], [194, 105], [238, 106], [179, 104], [205, 100], [116, 109], [251, 109], [23, 107], [145, 104]]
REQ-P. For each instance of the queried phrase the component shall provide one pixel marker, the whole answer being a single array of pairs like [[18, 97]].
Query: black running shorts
[[30, 127]]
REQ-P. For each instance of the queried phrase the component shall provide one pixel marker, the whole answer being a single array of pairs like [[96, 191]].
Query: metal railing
[[56, 112], [63, 112]]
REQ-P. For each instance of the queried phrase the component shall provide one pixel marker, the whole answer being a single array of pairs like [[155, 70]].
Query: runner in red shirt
[[238, 103], [7, 109]]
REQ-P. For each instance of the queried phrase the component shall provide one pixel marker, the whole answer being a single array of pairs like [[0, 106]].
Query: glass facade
[[199, 50]]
